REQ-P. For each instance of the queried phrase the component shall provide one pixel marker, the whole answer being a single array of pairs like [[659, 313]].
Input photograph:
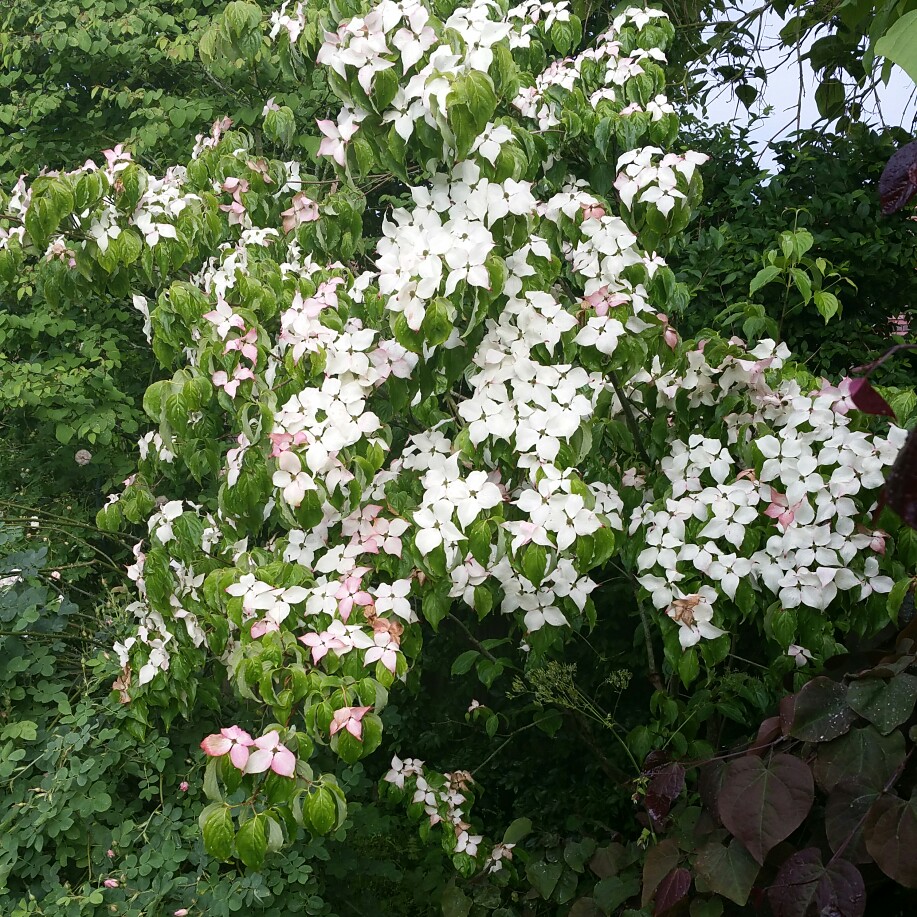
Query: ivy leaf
[[762, 803], [886, 704], [805, 885], [729, 871]]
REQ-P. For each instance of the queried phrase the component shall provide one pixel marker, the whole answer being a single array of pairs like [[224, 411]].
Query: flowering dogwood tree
[[485, 411]]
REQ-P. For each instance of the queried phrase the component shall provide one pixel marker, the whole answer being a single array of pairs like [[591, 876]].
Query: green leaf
[[455, 902], [729, 871], [211, 784], [803, 283], [899, 44], [896, 598], [280, 126], [544, 876], [435, 606], [612, 892], [534, 562], [886, 704], [321, 810], [517, 830], [827, 304], [23, 729], [746, 94], [251, 841], [763, 277], [218, 833], [820, 712], [464, 662], [688, 666], [436, 326], [274, 835], [830, 97]]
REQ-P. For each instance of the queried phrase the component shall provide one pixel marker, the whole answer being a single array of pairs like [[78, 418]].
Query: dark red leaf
[[805, 885], [585, 907], [898, 183], [820, 712], [654, 760], [664, 788], [709, 780], [901, 483], [785, 709], [762, 803], [660, 861], [657, 808], [671, 891], [768, 733], [611, 859], [891, 838], [868, 400], [668, 781]]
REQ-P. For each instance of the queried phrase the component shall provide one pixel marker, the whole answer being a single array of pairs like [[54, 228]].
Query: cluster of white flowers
[[442, 801], [446, 239], [154, 635], [812, 465], [534, 102], [292, 23], [527, 411], [657, 182]]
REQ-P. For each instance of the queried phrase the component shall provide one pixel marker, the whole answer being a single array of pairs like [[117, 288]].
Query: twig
[[655, 678], [868, 368], [474, 640], [629, 417]]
